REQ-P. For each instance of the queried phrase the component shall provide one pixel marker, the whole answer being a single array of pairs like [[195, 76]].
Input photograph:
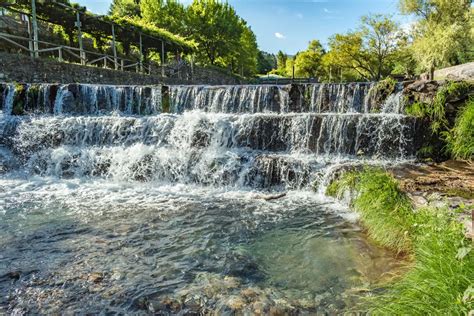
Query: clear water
[[91, 246]]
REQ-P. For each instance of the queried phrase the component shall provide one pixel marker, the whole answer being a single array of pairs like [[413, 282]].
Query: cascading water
[[182, 174]]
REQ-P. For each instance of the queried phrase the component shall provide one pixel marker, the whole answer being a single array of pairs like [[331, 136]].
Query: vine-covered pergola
[[76, 19]]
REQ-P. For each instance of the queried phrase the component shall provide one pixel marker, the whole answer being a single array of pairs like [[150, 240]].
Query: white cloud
[[327, 10], [279, 35], [299, 15]]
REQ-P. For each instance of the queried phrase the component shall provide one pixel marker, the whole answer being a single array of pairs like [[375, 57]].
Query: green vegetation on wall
[[440, 281], [460, 139]]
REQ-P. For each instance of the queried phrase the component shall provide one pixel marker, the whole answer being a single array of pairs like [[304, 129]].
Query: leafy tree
[[130, 8], [216, 28], [281, 62], [444, 31], [168, 14], [247, 52], [308, 62], [369, 51], [266, 62]]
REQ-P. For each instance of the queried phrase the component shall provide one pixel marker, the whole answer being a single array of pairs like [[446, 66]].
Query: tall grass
[[384, 209], [443, 274], [460, 140], [441, 281]]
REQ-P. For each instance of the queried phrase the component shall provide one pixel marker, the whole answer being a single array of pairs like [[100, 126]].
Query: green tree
[[247, 52], [369, 51], [168, 14], [266, 62], [444, 32], [281, 62], [130, 8], [308, 62], [216, 29]]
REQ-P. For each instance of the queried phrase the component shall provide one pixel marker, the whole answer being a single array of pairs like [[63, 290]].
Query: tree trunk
[[431, 74]]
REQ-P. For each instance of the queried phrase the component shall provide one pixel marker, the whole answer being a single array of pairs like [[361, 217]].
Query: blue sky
[[289, 25]]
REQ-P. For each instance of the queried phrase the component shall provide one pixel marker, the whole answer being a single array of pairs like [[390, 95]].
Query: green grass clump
[[346, 182], [417, 109], [441, 281], [442, 278], [460, 139], [384, 209]]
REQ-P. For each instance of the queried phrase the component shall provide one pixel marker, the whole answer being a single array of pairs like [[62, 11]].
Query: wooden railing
[[30, 44]]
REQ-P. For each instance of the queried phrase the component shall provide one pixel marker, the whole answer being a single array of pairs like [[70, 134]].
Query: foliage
[[308, 62], [215, 27], [417, 109], [384, 209], [436, 110], [130, 8], [384, 88], [167, 14], [151, 29], [368, 51], [442, 276], [281, 59], [266, 62], [444, 32], [440, 281], [460, 139]]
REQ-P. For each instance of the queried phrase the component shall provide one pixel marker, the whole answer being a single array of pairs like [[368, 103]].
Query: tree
[[308, 62], [215, 27], [370, 50], [266, 62], [130, 8], [168, 14], [444, 31], [247, 52]]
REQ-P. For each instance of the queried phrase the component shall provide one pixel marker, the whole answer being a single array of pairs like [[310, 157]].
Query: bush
[[460, 139]]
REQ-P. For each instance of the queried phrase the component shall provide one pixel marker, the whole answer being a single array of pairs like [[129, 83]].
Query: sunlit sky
[[289, 25]]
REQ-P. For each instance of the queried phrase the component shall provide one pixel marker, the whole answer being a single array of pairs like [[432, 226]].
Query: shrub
[[460, 139]]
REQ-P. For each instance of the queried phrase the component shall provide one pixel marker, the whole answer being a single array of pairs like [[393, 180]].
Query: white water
[[173, 205]]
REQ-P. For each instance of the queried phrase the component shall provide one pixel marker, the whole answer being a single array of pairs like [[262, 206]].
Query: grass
[[460, 139], [441, 281], [384, 209], [443, 273]]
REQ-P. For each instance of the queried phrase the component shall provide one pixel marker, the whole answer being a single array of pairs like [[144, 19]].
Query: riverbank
[[432, 235]]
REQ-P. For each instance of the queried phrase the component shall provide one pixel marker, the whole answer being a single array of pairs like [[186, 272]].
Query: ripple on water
[[91, 246]]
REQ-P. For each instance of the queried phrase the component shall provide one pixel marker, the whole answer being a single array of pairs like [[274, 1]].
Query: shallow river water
[[92, 246]]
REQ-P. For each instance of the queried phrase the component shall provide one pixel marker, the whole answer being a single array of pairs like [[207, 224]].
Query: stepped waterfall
[[164, 192]]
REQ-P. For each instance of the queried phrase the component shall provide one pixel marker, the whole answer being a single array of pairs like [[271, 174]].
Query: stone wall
[[20, 68]]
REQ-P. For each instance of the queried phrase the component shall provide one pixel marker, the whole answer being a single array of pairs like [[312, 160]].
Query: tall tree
[[444, 31], [216, 28], [266, 62], [308, 62], [281, 59], [368, 51], [130, 8], [167, 14]]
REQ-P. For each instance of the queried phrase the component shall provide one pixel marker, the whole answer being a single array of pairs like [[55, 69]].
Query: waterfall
[[246, 136]]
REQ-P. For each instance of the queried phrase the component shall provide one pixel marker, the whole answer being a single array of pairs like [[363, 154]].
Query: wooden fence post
[[35, 29], [79, 37], [141, 54], [114, 47]]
